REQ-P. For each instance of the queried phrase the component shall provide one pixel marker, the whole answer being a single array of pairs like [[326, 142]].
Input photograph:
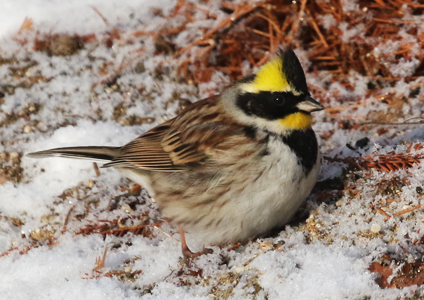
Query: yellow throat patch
[[297, 120], [270, 78]]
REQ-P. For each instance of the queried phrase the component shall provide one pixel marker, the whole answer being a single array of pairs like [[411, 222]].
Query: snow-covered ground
[[50, 100]]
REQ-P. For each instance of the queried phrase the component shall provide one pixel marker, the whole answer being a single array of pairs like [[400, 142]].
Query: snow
[[325, 255], [291, 269], [75, 16], [58, 273]]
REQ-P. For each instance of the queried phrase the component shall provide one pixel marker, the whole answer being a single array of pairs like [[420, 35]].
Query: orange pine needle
[[407, 210], [381, 211], [65, 224], [27, 24], [100, 15], [100, 262]]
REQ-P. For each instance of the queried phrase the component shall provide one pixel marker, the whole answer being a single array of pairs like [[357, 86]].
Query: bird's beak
[[309, 105]]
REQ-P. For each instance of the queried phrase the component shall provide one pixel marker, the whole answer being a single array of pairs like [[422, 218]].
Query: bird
[[230, 167]]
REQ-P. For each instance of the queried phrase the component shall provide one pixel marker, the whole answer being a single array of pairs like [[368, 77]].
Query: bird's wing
[[166, 147], [146, 152], [200, 134]]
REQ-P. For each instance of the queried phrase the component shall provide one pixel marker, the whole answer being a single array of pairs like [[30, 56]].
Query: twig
[[67, 218], [396, 21], [100, 262], [27, 24], [52, 242], [316, 28], [406, 123], [165, 233], [299, 18], [407, 210], [381, 211], [330, 109], [100, 15], [96, 169]]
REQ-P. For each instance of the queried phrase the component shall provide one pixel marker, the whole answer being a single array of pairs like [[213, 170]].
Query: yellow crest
[[270, 78]]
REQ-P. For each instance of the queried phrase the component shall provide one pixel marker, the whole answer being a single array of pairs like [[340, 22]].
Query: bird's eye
[[278, 100]]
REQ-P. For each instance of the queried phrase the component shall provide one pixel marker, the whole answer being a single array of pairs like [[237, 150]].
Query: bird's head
[[276, 98]]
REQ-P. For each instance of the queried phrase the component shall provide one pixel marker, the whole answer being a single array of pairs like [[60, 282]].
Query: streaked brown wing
[[146, 152], [176, 143], [184, 140]]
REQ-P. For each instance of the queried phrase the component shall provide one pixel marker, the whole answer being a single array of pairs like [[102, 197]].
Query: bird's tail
[[101, 154]]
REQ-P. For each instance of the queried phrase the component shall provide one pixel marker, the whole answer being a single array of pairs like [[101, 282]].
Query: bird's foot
[[188, 254], [191, 255]]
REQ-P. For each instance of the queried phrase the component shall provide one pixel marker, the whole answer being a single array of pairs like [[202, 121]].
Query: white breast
[[265, 202]]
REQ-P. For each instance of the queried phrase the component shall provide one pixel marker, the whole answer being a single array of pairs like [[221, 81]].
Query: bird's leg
[[186, 250]]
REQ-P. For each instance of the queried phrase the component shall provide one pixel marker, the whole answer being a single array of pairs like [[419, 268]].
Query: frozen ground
[[108, 85]]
